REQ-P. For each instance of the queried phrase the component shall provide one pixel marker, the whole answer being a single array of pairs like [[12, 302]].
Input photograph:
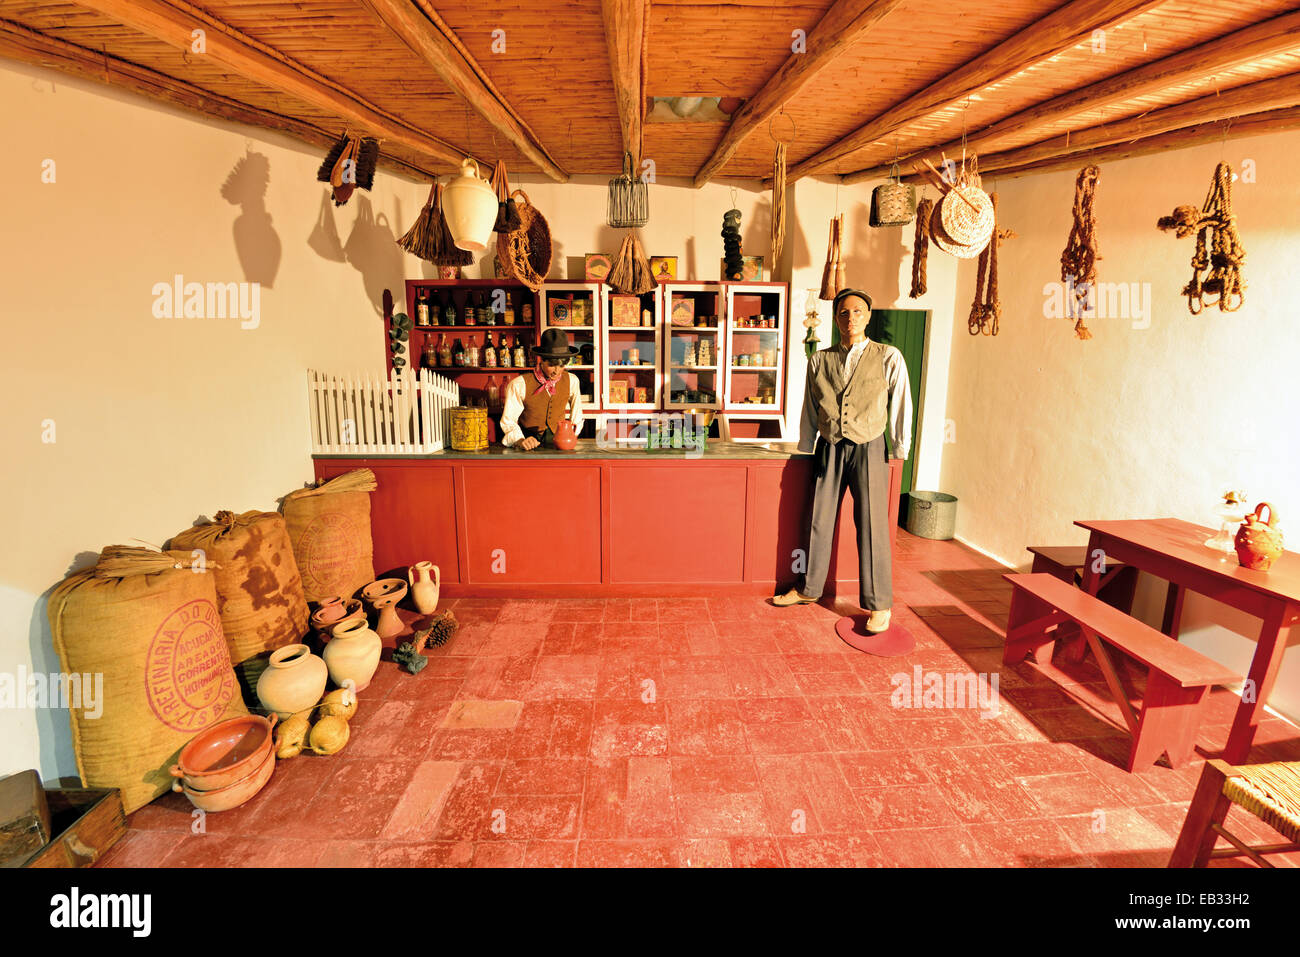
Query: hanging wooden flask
[[629, 199], [893, 203]]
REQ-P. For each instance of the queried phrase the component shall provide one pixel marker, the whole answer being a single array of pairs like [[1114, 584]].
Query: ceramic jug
[[424, 590], [566, 438], [469, 208], [1259, 542], [353, 653], [293, 681]]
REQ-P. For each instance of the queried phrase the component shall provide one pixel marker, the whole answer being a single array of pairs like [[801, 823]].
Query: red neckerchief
[[547, 384]]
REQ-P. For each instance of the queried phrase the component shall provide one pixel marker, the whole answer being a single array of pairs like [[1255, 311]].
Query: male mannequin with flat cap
[[857, 396], [537, 402]]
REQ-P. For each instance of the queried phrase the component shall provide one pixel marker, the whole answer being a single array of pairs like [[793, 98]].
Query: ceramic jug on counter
[[293, 681], [566, 437], [353, 653], [424, 588], [1259, 542]]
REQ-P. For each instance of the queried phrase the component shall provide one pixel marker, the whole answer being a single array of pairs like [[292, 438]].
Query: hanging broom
[[507, 213], [631, 272], [418, 239], [331, 159]]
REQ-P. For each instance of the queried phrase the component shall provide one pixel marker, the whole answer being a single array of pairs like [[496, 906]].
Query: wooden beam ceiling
[[1256, 42], [418, 25], [174, 23], [625, 40], [1271, 121], [843, 25], [1277, 93], [1060, 30], [30, 46]]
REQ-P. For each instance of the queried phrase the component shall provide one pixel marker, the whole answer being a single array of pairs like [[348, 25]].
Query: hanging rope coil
[[986, 310], [1218, 247], [778, 202], [1079, 260], [921, 247]]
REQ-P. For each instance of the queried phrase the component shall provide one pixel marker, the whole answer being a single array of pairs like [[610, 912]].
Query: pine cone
[[444, 627]]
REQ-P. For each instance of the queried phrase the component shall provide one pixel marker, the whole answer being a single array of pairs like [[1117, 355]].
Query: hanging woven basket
[[629, 199], [893, 203], [941, 238], [967, 214], [526, 253]]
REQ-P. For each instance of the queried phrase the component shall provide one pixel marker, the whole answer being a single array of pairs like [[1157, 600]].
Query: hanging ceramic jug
[[293, 681], [424, 589], [1259, 542], [469, 207], [566, 438], [353, 653]]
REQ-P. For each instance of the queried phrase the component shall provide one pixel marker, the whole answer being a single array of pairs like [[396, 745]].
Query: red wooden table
[[1174, 550]]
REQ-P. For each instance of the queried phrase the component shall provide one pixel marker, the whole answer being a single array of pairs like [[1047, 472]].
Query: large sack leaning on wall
[[259, 589], [329, 526], [147, 624]]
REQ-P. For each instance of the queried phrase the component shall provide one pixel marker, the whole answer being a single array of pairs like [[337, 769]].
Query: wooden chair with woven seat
[[1271, 792]]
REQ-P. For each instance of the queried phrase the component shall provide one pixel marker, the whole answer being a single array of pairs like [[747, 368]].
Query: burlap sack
[[329, 526], [148, 625], [259, 590]]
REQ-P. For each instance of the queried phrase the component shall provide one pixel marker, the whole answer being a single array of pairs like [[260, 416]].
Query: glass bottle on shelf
[[519, 355], [472, 354], [528, 312], [444, 350], [486, 317], [470, 313], [422, 307], [503, 353], [493, 393], [435, 311], [430, 356], [509, 317], [489, 352], [458, 354], [449, 311]]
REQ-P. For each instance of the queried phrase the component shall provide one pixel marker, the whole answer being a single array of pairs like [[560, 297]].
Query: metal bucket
[[932, 514], [468, 428]]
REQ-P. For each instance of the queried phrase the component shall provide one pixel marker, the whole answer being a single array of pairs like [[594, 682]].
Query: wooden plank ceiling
[[553, 87]]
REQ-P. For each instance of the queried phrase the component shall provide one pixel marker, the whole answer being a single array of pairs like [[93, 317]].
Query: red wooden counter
[[609, 523]]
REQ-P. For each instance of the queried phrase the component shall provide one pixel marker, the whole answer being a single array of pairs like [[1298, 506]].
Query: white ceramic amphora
[[426, 580]]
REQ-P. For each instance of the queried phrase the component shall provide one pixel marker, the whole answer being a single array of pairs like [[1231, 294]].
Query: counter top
[[588, 449]]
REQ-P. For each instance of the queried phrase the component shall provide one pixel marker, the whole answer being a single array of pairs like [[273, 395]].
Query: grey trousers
[[865, 470]]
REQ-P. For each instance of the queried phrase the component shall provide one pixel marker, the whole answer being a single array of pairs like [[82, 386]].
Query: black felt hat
[[555, 345]]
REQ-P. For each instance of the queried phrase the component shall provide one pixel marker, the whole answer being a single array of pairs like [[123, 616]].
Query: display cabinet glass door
[[693, 326], [756, 331], [631, 345], [576, 307]]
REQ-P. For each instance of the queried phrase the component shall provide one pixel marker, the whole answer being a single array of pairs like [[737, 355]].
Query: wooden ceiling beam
[[846, 22], [25, 45], [418, 26], [626, 24], [1280, 92], [1065, 27], [1256, 42], [174, 22], [1256, 124]]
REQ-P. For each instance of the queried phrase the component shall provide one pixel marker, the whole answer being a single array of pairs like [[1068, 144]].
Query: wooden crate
[[86, 823]]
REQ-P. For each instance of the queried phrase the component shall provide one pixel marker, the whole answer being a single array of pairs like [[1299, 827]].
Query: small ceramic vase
[[424, 589], [353, 652], [1259, 542], [566, 438], [293, 681], [383, 596]]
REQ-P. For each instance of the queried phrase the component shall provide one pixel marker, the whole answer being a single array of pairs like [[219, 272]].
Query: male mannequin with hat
[[857, 395], [537, 402]]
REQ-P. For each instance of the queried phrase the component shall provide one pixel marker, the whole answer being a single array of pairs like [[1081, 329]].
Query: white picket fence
[[366, 413]]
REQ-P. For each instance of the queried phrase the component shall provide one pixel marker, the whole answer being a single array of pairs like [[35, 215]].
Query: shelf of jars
[[695, 313], [576, 307], [630, 343], [755, 347]]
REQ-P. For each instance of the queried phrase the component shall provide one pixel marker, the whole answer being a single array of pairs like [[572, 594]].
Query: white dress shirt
[[518, 390], [898, 428]]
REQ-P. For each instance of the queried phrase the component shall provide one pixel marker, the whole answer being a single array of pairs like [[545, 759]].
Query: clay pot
[[225, 753], [383, 596], [293, 681], [469, 208], [353, 653], [424, 589], [566, 438], [1259, 542], [233, 795], [324, 619]]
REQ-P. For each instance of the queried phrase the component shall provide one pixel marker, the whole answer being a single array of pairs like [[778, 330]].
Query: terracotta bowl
[[384, 588], [225, 753], [324, 619], [232, 796]]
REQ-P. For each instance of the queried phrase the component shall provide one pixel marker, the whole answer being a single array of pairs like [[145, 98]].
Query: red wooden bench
[[1178, 677]]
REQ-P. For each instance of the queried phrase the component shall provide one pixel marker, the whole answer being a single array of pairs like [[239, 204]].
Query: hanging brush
[[367, 160], [419, 237], [507, 212], [631, 271], [446, 252], [629, 199], [331, 159]]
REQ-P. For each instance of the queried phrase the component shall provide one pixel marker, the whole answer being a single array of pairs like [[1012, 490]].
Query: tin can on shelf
[[468, 428]]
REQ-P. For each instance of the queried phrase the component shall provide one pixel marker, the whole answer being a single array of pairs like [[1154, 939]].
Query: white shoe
[[878, 621]]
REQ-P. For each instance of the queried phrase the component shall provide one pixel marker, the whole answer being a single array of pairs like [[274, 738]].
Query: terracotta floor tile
[[474, 714], [706, 852], [628, 728], [628, 675], [416, 814], [631, 609], [933, 847], [1074, 793], [689, 638], [534, 610], [648, 809], [551, 854], [579, 609], [141, 848], [914, 806], [833, 850], [467, 809], [706, 727], [713, 774], [701, 814], [683, 609], [1033, 843], [648, 853], [573, 638], [348, 854], [630, 638], [542, 776], [564, 676], [1119, 837], [871, 769], [755, 852], [427, 854], [696, 676]]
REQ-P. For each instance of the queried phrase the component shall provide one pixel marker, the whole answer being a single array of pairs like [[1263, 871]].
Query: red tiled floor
[[719, 732]]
